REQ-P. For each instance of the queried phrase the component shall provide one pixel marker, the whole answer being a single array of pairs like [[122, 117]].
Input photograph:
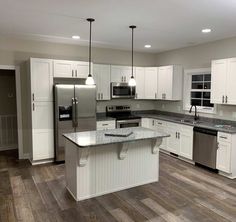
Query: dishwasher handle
[[205, 131]]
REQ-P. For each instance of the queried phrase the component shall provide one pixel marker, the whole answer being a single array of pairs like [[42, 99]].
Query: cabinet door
[[102, 79], [81, 69], [116, 74], [165, 82], [146, 122], [63, 69], [42, 129], [140, 83], [173, 143], [41, 80], [126, 72], [231, 80], [223, 160], [186, 142], [151, 83], [105, 82], [161, 126], [218, 81]]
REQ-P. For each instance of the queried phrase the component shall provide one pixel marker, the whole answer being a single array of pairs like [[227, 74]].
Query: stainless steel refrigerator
[[75, 111]]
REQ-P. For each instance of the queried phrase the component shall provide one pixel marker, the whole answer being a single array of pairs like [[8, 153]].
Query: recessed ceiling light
[[147, 46], [75, 37], [206, 30]]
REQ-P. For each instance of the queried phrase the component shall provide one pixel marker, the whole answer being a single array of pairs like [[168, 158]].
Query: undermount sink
[[190, 121]]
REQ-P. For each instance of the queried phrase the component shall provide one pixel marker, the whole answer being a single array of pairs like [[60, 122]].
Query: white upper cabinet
[[41, 75], [120, 73], [223, 81], [151, 78], [169, 82], [140, 82], [81, 69], [230, 84], [70, 69], [218, 80], [102, 78]]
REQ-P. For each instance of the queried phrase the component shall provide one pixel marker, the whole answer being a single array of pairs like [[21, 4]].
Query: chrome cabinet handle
[[72, 73], [105, 124], [125, 78], [33, 107], [101, 95], [153, 122], [176, 135], [122, 79], [223, 99], [159, 123], [98, 96], [226, 99]]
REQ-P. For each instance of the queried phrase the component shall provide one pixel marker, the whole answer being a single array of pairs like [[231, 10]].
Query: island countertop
[[96, 138]]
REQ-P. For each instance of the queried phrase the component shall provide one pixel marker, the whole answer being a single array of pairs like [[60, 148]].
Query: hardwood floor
[[184, 193]]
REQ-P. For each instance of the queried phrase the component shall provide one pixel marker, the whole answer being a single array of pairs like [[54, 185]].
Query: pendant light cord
[[132, 27], [90, 20]]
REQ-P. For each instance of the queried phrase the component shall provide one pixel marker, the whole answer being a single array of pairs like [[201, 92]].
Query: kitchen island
[[98, 164]]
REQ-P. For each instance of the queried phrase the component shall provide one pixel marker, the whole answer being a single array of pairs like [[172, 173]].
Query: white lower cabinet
[[106, 124], [223, 161], [42, 131], [186, 142], [180, 141]]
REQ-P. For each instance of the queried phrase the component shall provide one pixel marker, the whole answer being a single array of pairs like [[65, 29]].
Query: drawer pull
[[223, 137], [105, 124], [159, 123]]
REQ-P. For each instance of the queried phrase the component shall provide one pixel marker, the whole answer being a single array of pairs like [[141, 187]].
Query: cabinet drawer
[[106, 125], [224, 137]]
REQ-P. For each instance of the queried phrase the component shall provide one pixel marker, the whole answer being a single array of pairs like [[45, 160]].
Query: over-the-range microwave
[[122, 90]]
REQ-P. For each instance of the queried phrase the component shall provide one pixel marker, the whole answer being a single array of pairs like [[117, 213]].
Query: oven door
[[128, 123], [122, 90]]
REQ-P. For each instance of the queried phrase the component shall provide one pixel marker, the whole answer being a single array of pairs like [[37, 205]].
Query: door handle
[[226, 99], [33, 107], [178, 135], [223, 99]]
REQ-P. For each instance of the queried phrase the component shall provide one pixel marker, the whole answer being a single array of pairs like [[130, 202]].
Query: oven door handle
[[129, 121]]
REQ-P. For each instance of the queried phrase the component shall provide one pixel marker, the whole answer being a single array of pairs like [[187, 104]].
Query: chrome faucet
[[196, 117]]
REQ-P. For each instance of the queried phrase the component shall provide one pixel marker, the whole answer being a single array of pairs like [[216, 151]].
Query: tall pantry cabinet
[[41, 109]]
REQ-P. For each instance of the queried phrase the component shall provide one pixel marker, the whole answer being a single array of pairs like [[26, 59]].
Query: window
[[197, 90]]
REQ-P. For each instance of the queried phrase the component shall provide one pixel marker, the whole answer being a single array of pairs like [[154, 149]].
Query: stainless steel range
[[123, 115]]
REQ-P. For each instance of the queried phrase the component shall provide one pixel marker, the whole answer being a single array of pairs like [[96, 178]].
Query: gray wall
[[199, 56]]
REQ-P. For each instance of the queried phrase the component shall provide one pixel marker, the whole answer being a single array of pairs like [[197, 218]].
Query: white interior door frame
[[18, 105]]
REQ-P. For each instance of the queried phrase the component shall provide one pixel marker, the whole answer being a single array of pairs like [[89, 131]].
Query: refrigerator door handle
[[73, 112]]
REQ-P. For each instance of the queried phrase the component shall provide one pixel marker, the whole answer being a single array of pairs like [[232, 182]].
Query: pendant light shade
[[90, 80], [132, 81]]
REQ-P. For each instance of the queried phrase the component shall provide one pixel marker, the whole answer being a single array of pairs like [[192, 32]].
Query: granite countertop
[[96, 138], [221, 127]]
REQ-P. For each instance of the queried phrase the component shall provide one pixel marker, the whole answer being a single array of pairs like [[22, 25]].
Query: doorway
[[10, 111]]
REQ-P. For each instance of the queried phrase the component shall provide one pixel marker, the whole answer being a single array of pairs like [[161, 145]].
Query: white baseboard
[[38, 162]]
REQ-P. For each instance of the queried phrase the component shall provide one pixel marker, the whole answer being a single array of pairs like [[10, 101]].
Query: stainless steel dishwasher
[[205, 147]]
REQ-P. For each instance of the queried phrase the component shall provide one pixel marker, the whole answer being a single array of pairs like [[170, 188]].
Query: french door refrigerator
[[75, 111]]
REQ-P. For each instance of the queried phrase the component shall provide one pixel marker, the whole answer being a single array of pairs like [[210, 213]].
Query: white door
[[151, 83], [223, 161], [231, 80], [63, 69], [165, 82], [81, 69], [116, 74], [41, 79], [173, 143], [102, 79], [186, 142], [218, 81], [42, 129], [140, 83]]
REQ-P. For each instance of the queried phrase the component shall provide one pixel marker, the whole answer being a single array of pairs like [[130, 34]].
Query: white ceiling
[[165, 24]]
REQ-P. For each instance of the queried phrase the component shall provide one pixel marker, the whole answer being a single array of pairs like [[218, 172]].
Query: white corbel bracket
[[83, 156], [156, 144], [122, 151]]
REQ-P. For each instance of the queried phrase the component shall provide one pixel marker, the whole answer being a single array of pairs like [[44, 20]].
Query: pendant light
[[90, 80], [132, 81]]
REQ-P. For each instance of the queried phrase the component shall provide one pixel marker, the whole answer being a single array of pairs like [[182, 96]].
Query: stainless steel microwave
[[122, 90]]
